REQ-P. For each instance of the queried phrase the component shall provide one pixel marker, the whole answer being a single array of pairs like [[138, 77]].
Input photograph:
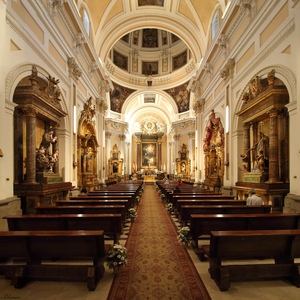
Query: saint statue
[[47, 140]]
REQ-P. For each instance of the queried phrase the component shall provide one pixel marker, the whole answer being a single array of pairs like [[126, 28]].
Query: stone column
[[170, 169], [108, 148], [177, 144], [138, 152], [159, 156], [273, 146], [127, 168], [255, 132], [284, 145], [55, 148], [246, 127], [102, 107], [122, 138], [18, 146], [190, 147], [30, 113]]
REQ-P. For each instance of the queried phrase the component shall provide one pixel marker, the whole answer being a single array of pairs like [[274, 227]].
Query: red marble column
[[30, 113], [273, 146], [18, 146], [246, 127], [284, 145]]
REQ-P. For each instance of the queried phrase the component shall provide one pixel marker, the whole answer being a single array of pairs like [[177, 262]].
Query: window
[[86, 22], [214, 25]]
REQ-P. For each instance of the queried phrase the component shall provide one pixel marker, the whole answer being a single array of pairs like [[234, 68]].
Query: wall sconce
[[1, 153]]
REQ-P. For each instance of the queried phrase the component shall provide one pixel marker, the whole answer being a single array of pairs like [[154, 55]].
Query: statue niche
[[183, 163], [115, 163], [214, 153], [87, 147]]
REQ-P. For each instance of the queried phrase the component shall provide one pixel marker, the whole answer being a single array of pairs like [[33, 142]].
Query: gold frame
[[156, 156]]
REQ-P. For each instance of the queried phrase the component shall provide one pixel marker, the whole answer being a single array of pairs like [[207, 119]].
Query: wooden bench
[[281, 245], [176, 198], [91, 209], [204, 224], [38, 246], [110, 223], [92, 203], [86, 198]]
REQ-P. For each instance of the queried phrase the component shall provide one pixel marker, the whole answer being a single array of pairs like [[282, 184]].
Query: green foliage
[[117, 256]]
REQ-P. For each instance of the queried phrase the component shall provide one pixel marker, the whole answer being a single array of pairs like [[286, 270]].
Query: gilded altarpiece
[[213, 149], [265, 157], [87, 148], [37, 119], [115, 163], [183, 163]]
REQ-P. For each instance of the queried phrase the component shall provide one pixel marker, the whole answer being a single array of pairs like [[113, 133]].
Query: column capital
[[191, 134], [199, 105], [283, 113], [122, 137], [273, 112], [107, 135], [101, 105], [176, 137], [246, 126], [30, 111], [74, 71]]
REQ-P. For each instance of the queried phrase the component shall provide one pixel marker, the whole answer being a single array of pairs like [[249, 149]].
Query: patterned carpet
[[158, 267]]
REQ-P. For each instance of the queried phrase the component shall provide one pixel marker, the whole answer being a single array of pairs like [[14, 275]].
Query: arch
[[109, 37], [281, 72], [138, 93], [23, 70]]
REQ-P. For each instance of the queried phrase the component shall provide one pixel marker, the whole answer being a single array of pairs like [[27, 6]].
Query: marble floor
[[39, 290]]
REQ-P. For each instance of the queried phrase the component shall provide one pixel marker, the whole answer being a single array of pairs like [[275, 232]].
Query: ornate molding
[[122, 137], [30, 111], [78, 43], [54, 6], [176, 137], [93, 67], [74, 70], [249, 7], [199, 106], [107, 135], [101, 105], [135, 56], [164, 55], [208, 69], [192, 135], [228, 70], [295, 2], [223, 43]]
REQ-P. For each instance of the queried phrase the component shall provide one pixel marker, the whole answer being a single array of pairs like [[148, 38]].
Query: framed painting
[[149, 68], [149, 155]]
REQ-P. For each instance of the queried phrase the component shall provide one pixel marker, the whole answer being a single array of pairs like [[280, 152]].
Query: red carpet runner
[[158, 267]]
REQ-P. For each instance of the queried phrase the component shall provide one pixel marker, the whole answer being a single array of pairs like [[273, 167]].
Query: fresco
[[179, 60], [149, 98], [149, 68], [150, 38], [151, 2], [181, 96], [118, 97], [175, 38], [120, 61]]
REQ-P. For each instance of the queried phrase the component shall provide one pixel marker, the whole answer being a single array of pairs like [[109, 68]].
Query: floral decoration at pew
[[134, 179], [180, 175], [137, 200], [169, 207], [184, 236], [162, 197], [116, 257], [140, 193], [132, 213]]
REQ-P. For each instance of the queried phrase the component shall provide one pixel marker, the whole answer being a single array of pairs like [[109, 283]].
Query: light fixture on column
[[74, 118]]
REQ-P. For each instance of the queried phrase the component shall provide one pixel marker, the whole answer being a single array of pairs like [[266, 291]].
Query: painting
[[149, 98], [164, 37], [118, 97], [120, 61], [150, 38], [149, 68], [151, 2], [149, 155], [183, 156], [181, 96], [179, 60]]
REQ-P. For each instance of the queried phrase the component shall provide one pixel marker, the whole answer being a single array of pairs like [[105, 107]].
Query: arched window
[[86, 22], [214, 25]]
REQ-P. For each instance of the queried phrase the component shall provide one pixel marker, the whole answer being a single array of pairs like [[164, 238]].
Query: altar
[[149, 178]]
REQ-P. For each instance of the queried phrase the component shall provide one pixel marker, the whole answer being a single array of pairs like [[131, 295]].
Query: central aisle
[[158, 267]]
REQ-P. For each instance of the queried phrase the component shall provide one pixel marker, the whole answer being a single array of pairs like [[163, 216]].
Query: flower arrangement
[[132, 213], [140, 193], [117, 256], [162, 196], [139, 172], [170, 207], [180, 175], [137, 200], [158, 172], [134, 179], [119, 176], [165, 178], [184, 235]]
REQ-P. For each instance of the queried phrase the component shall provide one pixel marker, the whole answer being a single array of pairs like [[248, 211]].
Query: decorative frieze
[[74, 70]]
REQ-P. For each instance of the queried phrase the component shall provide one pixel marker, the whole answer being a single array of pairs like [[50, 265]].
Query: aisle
[[158, 267]]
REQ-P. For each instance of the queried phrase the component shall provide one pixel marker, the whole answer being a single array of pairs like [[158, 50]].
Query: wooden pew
[[188, 210], [92, 203], [110, 223], [86, 198], [281, 245], [92, 209], [204, 224], [37, 246]]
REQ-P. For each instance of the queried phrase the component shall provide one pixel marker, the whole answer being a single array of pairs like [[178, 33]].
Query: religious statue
[[245, 161], [261, 145], [53, 159], [47, 140], [260, 159], [115, 168], [182, 167]]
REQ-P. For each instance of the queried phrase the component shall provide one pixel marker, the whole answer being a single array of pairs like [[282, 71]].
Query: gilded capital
[[30, 111]]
